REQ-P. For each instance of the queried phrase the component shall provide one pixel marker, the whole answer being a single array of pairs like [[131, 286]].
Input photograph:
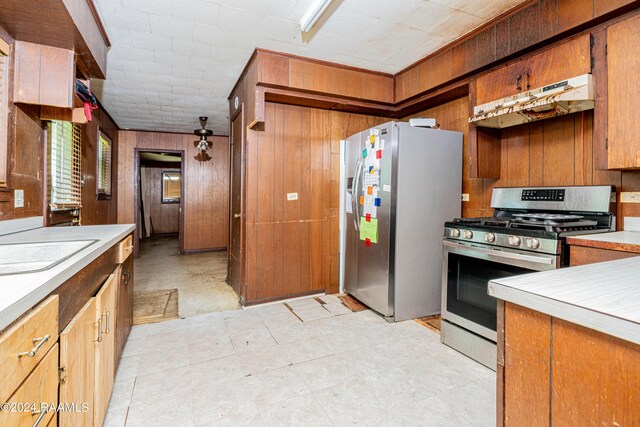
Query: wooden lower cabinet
[[105, 348], [23, 345], [87, 357], [582, 255], [77, 364], [34, 402], [124, 311], [560, 373]]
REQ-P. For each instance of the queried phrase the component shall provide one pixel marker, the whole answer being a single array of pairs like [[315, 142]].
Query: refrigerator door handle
[[355, 194]]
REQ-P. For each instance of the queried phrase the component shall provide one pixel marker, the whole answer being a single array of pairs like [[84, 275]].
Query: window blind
[[104, 165], [64, 162]]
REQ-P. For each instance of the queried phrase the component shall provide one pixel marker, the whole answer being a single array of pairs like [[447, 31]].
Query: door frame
[[243, 156], [136, 194]]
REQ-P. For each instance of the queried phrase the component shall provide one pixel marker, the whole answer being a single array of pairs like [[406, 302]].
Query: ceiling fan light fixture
[[203, 144], [312, 14]]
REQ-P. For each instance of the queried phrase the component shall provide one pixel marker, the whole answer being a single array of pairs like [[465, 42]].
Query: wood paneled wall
[[545, 153], [165, 217], [96, 211], [26, 149], [292, 246], [206, 185]]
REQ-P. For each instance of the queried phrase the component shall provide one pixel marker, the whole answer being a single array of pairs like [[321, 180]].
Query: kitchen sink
[[20, 258]]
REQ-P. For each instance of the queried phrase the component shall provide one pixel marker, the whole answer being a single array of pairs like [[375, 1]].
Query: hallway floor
[[199, 278], [322, 366]]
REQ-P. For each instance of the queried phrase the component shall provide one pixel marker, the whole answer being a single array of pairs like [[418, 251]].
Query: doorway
[[159, 201], [170, 279]]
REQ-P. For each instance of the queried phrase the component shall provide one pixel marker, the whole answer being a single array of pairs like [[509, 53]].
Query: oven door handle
[[470, 250]]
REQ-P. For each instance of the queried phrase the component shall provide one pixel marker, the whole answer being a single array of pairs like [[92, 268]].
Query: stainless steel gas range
[[526, 234]]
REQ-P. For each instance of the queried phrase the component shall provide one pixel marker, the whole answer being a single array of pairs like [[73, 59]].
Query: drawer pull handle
[[39, 342], [127, 276], [40, 418], [99, 322], [107, 315]]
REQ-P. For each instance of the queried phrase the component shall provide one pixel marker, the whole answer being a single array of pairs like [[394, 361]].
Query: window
[[104, 166], [171, 186], [64, 165]]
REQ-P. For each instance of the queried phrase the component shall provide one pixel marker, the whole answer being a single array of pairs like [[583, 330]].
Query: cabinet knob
[[237, 215], [518, 82]]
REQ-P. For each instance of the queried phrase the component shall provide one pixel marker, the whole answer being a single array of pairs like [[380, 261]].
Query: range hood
[[565, 97]]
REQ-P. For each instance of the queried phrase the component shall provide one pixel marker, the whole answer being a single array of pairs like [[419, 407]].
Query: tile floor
[[266, 367], [199, 278]]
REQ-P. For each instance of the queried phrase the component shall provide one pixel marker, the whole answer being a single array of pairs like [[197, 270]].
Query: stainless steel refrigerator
[[400, 184]]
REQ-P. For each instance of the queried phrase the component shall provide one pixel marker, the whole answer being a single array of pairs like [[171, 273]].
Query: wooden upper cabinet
[[43, 75], [623, 92], [569, 59], [503, 82]]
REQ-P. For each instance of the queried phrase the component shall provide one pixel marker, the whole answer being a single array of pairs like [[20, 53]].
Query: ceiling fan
[[203, 145]]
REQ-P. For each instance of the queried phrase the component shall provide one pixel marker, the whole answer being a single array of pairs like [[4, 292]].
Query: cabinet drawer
[[125, 247], [40, 387], [24, 344]]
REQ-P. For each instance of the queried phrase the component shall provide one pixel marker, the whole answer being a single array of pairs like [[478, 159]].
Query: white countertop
[[603, 296], [20, 292]]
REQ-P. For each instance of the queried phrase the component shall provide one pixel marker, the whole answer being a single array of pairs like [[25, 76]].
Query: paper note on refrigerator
[[369, 229]]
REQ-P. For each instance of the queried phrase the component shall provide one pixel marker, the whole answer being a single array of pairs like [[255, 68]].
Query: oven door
[[466, 273]]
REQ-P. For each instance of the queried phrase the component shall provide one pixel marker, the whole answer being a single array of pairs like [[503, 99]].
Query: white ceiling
[[174, 60]]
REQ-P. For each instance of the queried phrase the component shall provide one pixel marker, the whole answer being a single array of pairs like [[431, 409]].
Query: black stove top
[[552, 226]]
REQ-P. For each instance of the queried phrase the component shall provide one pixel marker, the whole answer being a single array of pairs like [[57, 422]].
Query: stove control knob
[[514, 240], [490, 237], [455, 232], [468, 234], [533, 243]]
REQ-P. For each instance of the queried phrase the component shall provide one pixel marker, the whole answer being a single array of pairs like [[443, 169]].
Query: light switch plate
[[18, 199], [465, 197], [292, 196]]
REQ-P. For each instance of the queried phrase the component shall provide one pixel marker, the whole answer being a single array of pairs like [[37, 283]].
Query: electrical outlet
[[465, 197], [292, 196], [18, 199], [630, 197]]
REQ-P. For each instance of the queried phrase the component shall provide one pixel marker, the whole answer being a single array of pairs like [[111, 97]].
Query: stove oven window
[[468, 280]]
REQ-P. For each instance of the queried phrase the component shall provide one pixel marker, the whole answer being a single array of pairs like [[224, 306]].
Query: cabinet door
[[503, 82], [39, 391], [569, 59], [104, 348], [623, 63], [124, 310], [77, 360], [43, 75]]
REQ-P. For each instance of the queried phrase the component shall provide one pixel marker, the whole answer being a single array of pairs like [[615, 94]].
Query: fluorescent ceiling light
[[313, 13]]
